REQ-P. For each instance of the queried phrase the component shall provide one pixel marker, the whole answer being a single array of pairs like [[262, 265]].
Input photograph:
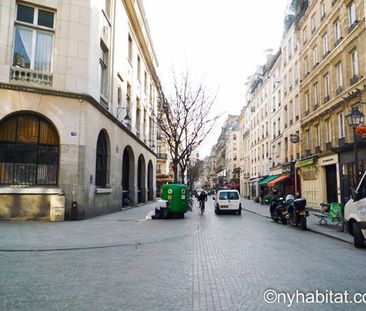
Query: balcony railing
[[354, 79], [350, 28], [328, 146], [338, 41], [307, 152], [162, 156], [317, 149], [32, 77], [326, 54], [341, 141], [339, 90], [326, 99]]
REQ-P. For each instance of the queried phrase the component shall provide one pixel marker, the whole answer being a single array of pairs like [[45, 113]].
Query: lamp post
[[354, 119]]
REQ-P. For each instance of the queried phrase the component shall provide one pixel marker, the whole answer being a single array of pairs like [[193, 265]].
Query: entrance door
[[331, 178]]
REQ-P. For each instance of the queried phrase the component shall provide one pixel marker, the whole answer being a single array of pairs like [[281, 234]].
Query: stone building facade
[[78, 93], [332, 70]]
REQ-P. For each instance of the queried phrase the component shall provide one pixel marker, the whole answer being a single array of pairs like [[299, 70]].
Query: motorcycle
[[278, 210], [297, 213]]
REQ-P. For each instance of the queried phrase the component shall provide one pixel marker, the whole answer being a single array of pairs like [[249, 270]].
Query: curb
[[311, 230]]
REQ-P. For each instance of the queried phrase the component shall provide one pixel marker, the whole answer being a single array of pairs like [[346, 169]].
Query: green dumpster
[[177, 197]]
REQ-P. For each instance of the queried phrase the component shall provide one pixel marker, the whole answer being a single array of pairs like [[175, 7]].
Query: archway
[[128, 176], [141, 180], [150, 181]]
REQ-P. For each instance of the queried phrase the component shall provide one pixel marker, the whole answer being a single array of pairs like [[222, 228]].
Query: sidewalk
[[125, 228], [330, 230]]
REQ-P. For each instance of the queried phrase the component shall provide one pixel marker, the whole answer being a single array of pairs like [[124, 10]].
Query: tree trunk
[[175, 171]]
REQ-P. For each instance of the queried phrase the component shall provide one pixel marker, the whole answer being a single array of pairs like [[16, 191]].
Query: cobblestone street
[[203, 262]]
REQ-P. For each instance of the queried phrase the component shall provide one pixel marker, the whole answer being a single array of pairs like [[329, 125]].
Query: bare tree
[[185, 120]]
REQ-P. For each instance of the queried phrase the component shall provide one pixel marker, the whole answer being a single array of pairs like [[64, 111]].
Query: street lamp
[[354, 119]]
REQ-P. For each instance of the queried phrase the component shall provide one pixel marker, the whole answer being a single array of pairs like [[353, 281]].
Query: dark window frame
[[22, 171]]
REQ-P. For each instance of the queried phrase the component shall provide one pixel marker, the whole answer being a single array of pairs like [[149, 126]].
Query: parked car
[[227, 200], [355, 214]]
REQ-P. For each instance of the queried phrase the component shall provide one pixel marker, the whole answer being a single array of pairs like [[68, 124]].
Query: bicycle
[[202, 207]]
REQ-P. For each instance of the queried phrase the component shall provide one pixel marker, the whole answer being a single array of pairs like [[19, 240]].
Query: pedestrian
[[262, 196]]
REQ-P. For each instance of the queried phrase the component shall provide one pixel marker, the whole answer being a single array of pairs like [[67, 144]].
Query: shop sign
[[306, 162], [328, 160]]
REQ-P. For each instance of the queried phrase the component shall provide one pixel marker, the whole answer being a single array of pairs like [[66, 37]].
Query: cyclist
[[202, 198]]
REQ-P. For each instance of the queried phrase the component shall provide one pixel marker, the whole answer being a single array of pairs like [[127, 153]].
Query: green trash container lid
[[177, 195]]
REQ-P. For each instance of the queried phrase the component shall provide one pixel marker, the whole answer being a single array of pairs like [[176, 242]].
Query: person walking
[[202, 198]]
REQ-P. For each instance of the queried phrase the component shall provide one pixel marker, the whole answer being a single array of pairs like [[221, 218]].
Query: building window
[[317, 132], [329, 130], [339, 75], [307, 102], [306, 67], [29, 151], [33, 45], [315, 56], [145, 82], [337, 30], [107, 7], [326, 85], [341, 129], [304, 35], [130, 48], [103, 67], [325, 44], [101, 171], [138, 67], [313, 25], [316, 95], [352, 14], [322, 10], [354, 63], [307, 139], [128, 98], [138, 116]]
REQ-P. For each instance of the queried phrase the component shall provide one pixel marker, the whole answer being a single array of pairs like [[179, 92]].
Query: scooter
[[278, 210], [297, 213]]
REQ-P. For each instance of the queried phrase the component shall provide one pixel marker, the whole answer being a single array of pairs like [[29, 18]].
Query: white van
[[355, 214], [227, 200]]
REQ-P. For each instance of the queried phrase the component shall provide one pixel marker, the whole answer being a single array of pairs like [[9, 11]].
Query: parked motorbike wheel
[[357, 236], [303, 223]]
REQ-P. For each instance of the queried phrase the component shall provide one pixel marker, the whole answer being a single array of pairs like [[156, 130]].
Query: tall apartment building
[[223, 152], [78, 92], [332, 70]]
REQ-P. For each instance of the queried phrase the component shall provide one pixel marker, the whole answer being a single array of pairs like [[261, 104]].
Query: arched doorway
[[150, 181], [128, 176], [141, 180]]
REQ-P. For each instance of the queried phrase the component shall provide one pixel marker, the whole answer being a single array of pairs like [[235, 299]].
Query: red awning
[[278, 180]]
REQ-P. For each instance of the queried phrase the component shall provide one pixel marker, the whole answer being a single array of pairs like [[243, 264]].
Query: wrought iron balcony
[[353, 26], [339, 90], [31, 77], [341, 141], [162, 156], [328, 146], [338, 41], [317, 149], [354, 79], [326, 99]]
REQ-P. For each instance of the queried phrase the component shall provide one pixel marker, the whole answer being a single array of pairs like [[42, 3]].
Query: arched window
[[29, 151], [102, 161]]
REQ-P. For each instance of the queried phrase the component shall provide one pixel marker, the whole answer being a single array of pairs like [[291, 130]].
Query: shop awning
[[277, 180], [264, 181]]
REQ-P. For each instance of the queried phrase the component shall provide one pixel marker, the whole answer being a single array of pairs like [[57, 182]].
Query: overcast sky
[[219, 42]]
